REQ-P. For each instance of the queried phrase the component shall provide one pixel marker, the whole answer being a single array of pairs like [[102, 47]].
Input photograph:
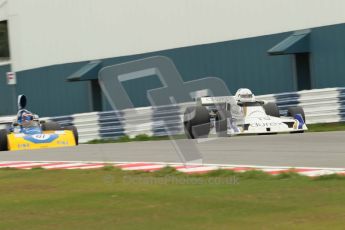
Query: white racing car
[[241, 114]]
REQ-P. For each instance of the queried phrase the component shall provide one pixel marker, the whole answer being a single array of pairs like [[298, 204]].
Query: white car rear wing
[[214, 100], [6, 121]]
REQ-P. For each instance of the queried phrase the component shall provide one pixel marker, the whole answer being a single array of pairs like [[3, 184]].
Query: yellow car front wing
[[48, 139]]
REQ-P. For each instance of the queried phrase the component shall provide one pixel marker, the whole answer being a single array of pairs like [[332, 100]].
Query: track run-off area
[[324, 150]]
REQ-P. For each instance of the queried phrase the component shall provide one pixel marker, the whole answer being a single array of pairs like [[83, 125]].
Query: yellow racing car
[[27, 132]]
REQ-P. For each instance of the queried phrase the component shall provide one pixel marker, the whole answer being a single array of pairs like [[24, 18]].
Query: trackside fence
[[320, 106]]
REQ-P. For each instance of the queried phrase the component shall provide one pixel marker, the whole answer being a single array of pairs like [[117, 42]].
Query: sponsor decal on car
[[264, 124], [41, 138], [62, 143], [23, 146]]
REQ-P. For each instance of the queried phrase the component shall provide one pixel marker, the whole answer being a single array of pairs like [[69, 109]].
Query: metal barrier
[[320, 106]]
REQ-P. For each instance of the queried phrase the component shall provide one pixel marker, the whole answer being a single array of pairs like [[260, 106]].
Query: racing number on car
[[41, 136]]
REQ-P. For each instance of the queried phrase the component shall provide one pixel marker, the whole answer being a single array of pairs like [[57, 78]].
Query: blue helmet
[[25, 118]]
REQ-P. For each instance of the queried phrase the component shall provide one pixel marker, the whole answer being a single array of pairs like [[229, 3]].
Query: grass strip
[[327, 127], [109, 198]]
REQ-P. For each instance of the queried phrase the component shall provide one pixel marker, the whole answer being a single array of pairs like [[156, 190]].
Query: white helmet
[[244, 95]]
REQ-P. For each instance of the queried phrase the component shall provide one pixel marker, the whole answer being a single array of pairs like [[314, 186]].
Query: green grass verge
[[112, 199], [325, 127], [141, 137]]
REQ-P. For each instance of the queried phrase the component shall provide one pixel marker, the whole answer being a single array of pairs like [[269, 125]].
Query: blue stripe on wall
[[287, 100], [64, 121], [168, 115], [341, 99], [111, 124]]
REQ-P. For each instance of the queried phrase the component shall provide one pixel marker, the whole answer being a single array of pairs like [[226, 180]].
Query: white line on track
[[153, 166]]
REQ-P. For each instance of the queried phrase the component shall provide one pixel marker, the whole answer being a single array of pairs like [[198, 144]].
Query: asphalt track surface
[[325, 149]]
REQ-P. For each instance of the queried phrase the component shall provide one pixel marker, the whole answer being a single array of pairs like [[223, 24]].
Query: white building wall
[[3, 10], [47, 32]]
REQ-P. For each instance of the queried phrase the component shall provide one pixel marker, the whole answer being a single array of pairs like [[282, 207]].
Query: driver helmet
[[244, 95], [26, 119]]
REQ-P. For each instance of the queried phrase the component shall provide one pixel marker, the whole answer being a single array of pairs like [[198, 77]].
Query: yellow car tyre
[[3, 140], [75, 133]]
